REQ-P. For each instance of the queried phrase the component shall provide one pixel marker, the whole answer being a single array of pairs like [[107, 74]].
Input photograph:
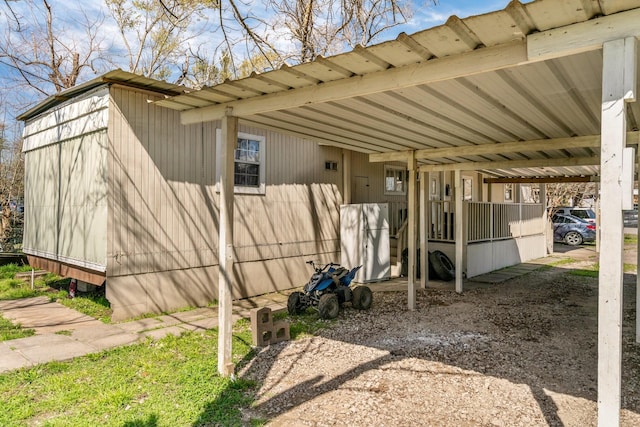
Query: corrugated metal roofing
[[112, 77], [555, 98]]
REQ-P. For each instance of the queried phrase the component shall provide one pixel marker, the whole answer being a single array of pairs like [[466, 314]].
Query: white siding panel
[[489, 256], [66, 203], [82, 116], [92, 122], [42, 175], [479, 258]]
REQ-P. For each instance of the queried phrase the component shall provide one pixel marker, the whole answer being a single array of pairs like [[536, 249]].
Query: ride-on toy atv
[[327, 289]]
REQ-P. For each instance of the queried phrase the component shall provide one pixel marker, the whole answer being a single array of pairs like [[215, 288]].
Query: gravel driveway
[[522, 353]]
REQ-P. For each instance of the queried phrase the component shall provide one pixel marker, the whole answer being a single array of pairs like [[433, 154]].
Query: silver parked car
[[572, 230]]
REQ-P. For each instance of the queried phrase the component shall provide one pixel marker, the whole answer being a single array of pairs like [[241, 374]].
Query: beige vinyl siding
[[163, 211], [299, 213], [164, 208], [162, 201], [66, 184], [361, 167]]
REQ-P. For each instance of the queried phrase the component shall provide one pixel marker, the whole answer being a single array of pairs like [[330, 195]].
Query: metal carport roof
[[478, 81], [527, 91]]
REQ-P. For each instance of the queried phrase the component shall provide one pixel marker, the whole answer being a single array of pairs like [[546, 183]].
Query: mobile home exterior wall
[[163, 211], [119, 189]]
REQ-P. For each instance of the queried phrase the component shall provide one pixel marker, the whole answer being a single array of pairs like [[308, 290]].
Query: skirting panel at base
[[134, 295]]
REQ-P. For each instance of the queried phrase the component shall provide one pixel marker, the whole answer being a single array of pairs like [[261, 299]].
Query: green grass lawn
[[12, 288], [9, 331], [93, 304], [594, 270], [170, 382], [55, 288]]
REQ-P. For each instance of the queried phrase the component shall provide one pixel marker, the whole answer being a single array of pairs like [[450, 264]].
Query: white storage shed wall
[[66, 182]]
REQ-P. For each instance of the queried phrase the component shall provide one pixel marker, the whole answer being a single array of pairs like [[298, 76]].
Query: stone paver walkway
[[63, 333]]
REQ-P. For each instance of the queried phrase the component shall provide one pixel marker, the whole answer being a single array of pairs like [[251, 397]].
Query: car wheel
[[573, 238], [442, 266], [328, 306], [294, 306], [362, 298]]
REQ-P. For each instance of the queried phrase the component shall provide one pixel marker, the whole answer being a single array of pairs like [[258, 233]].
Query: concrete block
[[280, 332], [261, 324], [263, 330]]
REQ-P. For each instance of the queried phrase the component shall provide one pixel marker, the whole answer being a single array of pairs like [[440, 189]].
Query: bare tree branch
[[14, 15], [46, 60]]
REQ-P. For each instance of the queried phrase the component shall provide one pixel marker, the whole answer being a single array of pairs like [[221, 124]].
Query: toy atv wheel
[[362, 298], [294, 306], [328, 306]]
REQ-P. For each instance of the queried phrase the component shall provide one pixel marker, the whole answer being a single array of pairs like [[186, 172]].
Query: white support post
[[411, 232], [424, 245], [544, 218], [228, 143], [637, 263], [459, 230], [346, 177], [618, 86], [598, 220]]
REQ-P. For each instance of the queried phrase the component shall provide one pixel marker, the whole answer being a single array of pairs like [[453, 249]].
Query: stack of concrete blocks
[[264, 331]]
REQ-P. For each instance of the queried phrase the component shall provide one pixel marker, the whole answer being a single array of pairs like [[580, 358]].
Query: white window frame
[[509, 192], [396, 169], [467, 184], [242, 189]]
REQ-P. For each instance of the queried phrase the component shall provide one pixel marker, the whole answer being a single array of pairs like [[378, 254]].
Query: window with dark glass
[[247, 163]]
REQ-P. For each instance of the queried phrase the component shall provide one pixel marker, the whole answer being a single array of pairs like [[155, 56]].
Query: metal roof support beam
[[548, 233], [424, 241], [226, 256], [441, 69], [509, 164], [589, 141], [584, 36], [346, 176], [459, 228], [618, 88], [411, 232], [541, 180], [637, 275], [391, 156]]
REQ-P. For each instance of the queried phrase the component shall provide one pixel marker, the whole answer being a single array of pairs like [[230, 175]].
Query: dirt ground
[[521, 353]]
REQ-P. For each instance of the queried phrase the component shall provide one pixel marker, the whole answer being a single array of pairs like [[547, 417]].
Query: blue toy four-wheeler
[[328, 288]]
